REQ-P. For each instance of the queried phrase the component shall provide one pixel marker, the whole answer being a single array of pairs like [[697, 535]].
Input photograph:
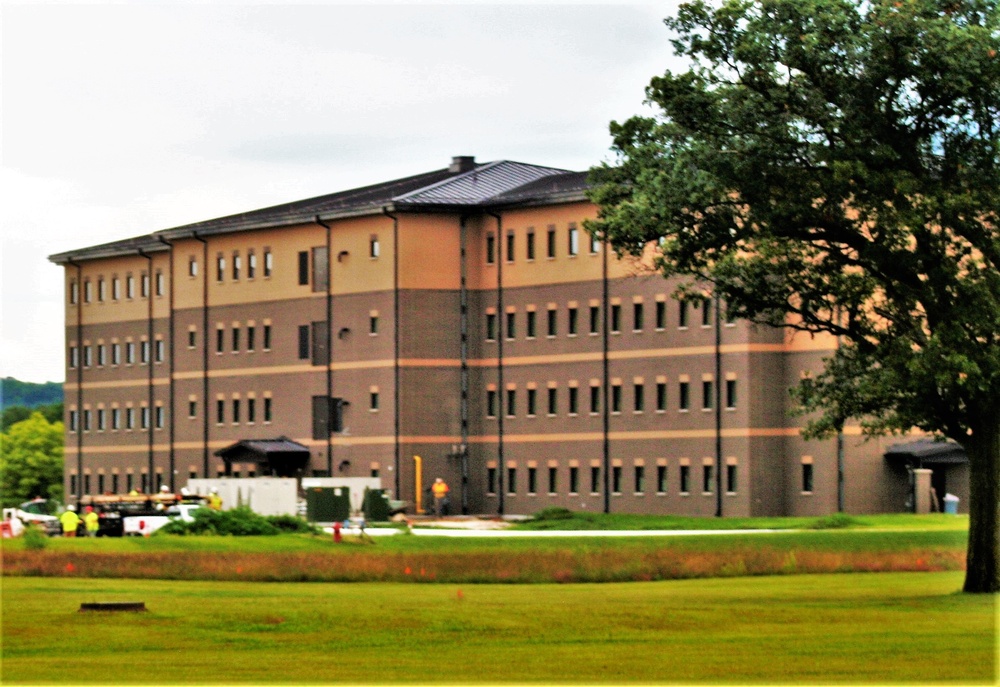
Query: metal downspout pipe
[[606, 378], [170, 367], [150, 394], [397, 484], [718, 406], [463, 296], [204, 351], [329, 345]]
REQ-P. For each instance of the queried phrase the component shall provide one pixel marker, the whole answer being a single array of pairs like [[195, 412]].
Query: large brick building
[[462, 316]]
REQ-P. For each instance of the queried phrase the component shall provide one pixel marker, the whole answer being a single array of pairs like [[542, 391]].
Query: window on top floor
[[550, 242], [491, 249], [573, 247]]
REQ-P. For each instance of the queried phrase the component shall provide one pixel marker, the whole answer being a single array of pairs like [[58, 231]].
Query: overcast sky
[[119, 120]]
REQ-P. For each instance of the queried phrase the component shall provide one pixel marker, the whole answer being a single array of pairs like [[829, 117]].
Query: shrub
[[836, 521], [292, 523], [240, 521], [35, 538], [553, 513]]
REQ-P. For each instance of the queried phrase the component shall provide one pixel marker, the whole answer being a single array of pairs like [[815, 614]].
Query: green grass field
[[861, 628]]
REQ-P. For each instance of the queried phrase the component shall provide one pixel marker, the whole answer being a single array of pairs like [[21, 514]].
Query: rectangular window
[[532, 480], [491, 249], [616, 479], [552, 326], [661, 314], [220, 267], [251, 410], [129, 418], [144, 417], [192, 266], [595, 319], [550, 242], [192, 409], [491, 326], [730, 393], [303, 267], [639, 398], [100, 419], [573, 245], [616, 318], [373, 246], [74, 292], [251, 338], [637, 317], [572, 323], [129, 287], [236, 339], [220, 411], [114, 483], [143, 352], [553, 404], [491, 480], [74, 356], [267, 337], [100, 355], [616, 398], [706, 313], [87, 356], [529, 240], [251, 264], [116, 354], [807, 478], [661, 396], [268, 262], [510, 246], [160, 350], [320, 269], [553, 475], [511, 402], [116, 418], [303, 342], [158, 417], [595, 244], [160, 283], [682, 314], [373, 400], [640, 479], [685, 479], [574, 400], [100, 290], [684, 396], [707, 395], [707, 474], [268, 409], [86, 291], [220, 340], [236, 411], [237, 265], [491, 403], [595, 399], [511, 480], [129, 352], [595, 479], [661, 478], [116, 288], [373, 324], [574, 480], [532, 401], [530, 324], [511, 325], [731, 479]]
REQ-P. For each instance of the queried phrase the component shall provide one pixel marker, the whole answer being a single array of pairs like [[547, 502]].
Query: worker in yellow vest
[[91, 521], [214, 500], [440, 490], [70, 521]]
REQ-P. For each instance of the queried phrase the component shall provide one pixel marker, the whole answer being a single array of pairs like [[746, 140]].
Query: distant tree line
[[14, 392], [31, 441]]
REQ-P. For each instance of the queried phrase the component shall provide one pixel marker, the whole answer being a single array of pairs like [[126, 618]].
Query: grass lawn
[[857, 628]]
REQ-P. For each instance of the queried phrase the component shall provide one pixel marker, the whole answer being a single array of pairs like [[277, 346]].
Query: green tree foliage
[[834, 166], [29, 394], [53, 412], [31, 461]]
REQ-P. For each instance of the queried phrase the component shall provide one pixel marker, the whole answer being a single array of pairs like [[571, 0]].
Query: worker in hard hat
[[214, 500], [440, 490], [70, 521], [91, 521]]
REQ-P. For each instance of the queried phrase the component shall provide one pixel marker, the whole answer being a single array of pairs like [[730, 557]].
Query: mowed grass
[[863, 628]]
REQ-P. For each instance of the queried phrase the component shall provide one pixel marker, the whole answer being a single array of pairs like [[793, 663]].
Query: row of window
[[238, 410], [638, 484], [240, 338], [116, 288], [638, 321], [116, 418], [617, 402], [572, 244], [111, 484], [236, 270], [117, 353]]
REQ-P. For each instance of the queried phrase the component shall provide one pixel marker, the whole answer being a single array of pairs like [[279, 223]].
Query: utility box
[[375, 505], [328, 504], [951, 504]]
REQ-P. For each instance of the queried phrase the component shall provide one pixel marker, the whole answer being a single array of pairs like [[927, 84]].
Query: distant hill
[[14, 392]]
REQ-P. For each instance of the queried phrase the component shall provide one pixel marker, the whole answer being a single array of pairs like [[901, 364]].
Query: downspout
[[718, 407], [395, 352], [204, 351], [329, 344], [170, 367], [79, 379], [501, 391], [463, 296], [150, 396], [606, 374]]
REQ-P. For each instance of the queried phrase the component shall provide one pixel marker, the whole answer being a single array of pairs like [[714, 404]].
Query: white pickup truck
[[145, 525]]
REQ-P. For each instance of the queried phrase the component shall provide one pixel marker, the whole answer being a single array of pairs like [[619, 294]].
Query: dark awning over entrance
[[279, 457], [927, 452]]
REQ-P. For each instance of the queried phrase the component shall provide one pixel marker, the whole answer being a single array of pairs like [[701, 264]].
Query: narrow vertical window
[[144, 285], [553, 474], [640, 479], [550, 242], [685, 479], [511, 480], [532, 480], [595, 399], [373, 324], [573, 247], [661, 396], [706, 313], [220, 267], [529, 244], [510, 246], [373, 246], [616, 318], [267, 337], [158, 417], [511, 325], [237, 265], [552, 328], [574, 479], [730, 393], [731, 478], [160, 283], [220, 411], [682, 314], [86, 290], [661, 314], [637, 317], [639, 397], [573, 400], [532, 402], [74, 292], [268, 262], [129, 287], [707, 394], [251, 264], [491, 403], [491, 249], [303, 268], [530, 326], [192, 338], [303, 342], [100, 290], [707, 479], [661, 478], [595, 319], [220, 340], [192, 266], [491, 480], [236, 339], [160, 351], [807, 478], [553, 404], [595, 479], [616, 398], [251, 410], [511, 402], [571, 323], [116, 288], [683, 397], [236, 411], [491, 326], [268, 409]]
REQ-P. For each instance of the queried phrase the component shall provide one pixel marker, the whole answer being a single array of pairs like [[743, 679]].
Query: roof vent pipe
[[462, 163]]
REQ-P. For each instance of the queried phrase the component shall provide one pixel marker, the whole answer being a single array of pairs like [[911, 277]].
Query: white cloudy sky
[[122, 119]]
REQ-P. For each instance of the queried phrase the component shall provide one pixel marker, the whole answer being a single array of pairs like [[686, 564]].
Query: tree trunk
[[982, 573]]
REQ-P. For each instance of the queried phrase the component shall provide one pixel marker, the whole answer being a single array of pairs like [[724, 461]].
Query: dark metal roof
[[927, 451], [264, 447], [468, 185]]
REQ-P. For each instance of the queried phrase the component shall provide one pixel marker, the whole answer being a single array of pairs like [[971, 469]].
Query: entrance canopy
[[927, 452], [279, 457]]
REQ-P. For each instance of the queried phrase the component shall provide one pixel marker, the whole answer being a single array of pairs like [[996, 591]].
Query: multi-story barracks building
[[462, 324]]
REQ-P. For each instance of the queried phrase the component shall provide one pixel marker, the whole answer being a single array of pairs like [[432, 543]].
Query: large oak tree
[[834, 165]]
